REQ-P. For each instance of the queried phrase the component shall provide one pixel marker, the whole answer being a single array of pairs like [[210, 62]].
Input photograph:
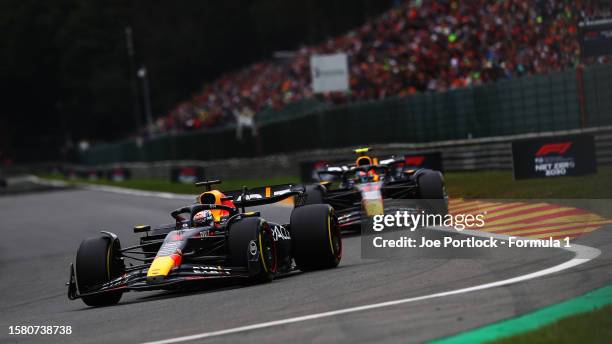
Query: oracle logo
[[550, 148]]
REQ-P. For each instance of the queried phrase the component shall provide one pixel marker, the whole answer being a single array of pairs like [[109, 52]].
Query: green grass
[[486, 184], [591, 327], [168, 186], [502, 185]]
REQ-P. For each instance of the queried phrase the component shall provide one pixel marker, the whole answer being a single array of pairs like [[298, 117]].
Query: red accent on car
[[177, 258], [415, 160]]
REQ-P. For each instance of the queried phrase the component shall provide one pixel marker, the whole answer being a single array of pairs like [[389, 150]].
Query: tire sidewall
[[248, 241], [316, 239], [97, 263], [433, 191]]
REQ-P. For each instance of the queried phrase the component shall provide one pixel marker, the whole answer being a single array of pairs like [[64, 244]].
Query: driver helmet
[[217, 197], [203, 218], [363, 160]]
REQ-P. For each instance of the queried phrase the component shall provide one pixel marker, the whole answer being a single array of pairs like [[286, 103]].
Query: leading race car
[[212, 239], [371, 187]]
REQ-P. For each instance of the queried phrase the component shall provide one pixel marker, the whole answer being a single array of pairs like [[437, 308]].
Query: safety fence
[[566, 100]]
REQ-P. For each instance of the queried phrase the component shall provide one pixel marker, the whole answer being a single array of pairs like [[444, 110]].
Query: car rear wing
[[264, 195], [345, 171], [402, 160], [333, 172]]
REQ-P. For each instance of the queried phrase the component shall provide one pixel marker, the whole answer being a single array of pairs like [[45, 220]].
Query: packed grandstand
[[416, 46]]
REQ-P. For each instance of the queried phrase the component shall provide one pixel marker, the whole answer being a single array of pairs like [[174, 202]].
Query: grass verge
[[501, 185], [168, 186], [590, 327], [485, 184]]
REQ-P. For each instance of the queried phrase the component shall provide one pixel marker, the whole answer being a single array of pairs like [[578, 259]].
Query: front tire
[[98, 262], [315, 237], [252, 245]]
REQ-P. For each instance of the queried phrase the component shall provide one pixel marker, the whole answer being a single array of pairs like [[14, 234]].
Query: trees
[[65, 69]]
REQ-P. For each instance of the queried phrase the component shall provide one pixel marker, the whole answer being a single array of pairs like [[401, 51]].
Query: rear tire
[[315, 237], [97, 262], [315, 194], [251, 245], [433, 192]]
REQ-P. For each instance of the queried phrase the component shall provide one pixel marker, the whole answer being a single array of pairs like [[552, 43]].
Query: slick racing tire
[[98, 262], [315, 194], [251, 245], [433, 192], [315, 237]]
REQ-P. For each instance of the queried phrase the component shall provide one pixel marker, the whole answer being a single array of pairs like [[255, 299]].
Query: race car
[[215, 238], [373, 187]]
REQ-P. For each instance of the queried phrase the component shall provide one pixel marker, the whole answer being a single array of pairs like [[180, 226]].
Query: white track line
[[583, 255], [116, 189], [123, 191], [139, 193]]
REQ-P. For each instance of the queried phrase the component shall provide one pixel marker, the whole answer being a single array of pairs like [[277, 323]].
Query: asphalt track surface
[[41, 232]]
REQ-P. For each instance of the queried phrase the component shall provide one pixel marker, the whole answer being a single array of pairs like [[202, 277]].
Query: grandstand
[[416, 46]]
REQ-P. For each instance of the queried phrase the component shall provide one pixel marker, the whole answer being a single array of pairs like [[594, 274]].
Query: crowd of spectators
[[416, 46]]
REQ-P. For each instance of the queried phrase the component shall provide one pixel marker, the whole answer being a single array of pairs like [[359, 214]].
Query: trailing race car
[[212, 239], [372, 187]]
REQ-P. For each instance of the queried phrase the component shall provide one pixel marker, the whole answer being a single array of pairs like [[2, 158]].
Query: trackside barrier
[[492, 153]]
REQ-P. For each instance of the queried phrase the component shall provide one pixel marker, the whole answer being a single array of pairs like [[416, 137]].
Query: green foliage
[[66, 72], [485, 184], [168, 186], [501, 184], [591, 327]]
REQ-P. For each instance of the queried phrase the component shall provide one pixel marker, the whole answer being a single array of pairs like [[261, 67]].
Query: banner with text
[[554, 156]]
